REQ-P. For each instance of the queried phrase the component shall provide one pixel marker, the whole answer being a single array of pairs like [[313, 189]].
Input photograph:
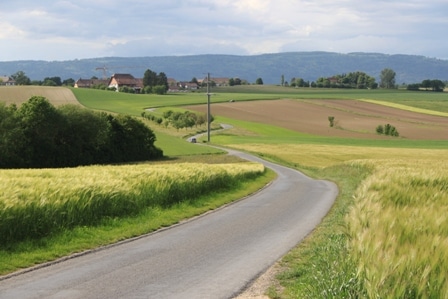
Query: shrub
[[380, 129], [388, 130], [331, 120]]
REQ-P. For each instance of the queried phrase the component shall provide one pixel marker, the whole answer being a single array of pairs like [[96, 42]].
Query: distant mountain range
[[269, 67]]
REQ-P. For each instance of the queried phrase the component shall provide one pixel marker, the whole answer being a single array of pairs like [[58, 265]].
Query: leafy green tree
[[437, 85], [299, 82], [231, 82], [130, 140], [49, 82], [387, 78], [56, 80], [426, 84], [21, 78], [12, 138], [159, 89], [70, 82], [259, 81], [162, 80], [85, 134], [41, 123], [149, 78]]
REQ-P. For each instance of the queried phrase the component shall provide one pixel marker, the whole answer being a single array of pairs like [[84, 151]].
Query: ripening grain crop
[[398, 230], [37, 202]]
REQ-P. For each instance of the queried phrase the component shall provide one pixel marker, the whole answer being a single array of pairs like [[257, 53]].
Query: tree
[[85, 133], [149, 78], [68, 82], [41, 123], [12, 139], [283, 80], [387, 78], [21, 78], [159, 89], [437, 85], [259, 81], [162, 80], [56, 81]]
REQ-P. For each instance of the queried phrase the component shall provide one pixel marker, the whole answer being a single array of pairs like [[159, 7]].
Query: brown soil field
[[20, 94], [353, 119]]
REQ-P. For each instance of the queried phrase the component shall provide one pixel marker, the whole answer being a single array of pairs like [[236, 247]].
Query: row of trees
[[433, 85], [359, 80], [38, 135], [22, 79], [179, 120]]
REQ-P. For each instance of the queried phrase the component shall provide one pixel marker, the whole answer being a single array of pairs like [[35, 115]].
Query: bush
[[38, 135], [380, 129], [388, 130], [331, 120]]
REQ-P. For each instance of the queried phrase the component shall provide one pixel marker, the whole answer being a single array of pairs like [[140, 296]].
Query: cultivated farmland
[[353, 119], [38, 202], [20, 94]]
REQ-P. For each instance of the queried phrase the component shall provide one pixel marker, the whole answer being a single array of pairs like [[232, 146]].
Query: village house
[[188, 85], [125, 80], [7, 81], [216, 81]]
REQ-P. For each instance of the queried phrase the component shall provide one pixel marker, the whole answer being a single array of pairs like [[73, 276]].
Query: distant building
[[125, 80], [7, 81], [216, 81], [188, 85]]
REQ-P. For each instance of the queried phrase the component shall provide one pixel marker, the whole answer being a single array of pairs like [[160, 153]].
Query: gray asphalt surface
[[212, 256]]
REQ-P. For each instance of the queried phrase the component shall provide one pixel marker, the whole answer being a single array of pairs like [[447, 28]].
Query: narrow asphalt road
[[212, 256]]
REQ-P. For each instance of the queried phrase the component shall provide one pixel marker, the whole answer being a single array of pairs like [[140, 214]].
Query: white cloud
[[70, 29]]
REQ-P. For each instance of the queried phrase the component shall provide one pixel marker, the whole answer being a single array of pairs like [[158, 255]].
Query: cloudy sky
[[66, 29]]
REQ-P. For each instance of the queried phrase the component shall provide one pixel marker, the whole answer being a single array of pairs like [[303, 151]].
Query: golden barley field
[[37, 202], [398, 229], [398, 226]]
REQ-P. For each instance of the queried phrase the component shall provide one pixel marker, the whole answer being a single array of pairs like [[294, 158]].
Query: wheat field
[[36, 202]]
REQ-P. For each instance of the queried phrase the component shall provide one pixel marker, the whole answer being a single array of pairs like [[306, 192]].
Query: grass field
[[386, 235]]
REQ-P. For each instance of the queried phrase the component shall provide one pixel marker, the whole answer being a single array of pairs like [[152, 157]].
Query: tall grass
[[36, 203], [398, 230], [387, 234]]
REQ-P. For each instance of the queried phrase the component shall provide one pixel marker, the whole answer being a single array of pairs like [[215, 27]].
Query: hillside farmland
[[19, 94], [353, 119]]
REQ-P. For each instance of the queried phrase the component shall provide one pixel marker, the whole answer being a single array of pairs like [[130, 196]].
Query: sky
[[67, 30]]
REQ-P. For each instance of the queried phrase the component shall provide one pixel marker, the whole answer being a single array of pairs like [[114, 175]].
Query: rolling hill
[[269, 67]]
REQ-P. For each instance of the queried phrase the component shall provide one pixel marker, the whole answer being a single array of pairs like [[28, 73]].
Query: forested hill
[[269, 67]]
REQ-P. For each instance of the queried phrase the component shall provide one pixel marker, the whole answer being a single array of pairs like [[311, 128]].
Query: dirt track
[[353, 119]]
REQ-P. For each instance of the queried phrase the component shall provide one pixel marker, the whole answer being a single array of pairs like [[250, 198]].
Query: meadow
[[386, 235]]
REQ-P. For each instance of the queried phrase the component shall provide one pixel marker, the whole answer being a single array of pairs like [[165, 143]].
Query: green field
[[386, 235]]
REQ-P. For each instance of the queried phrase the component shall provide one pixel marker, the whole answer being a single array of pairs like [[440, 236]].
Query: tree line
[[427, 85], [39, 135], [179, 120]]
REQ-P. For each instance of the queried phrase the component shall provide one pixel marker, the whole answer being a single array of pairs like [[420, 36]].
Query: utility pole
[[208, 107]]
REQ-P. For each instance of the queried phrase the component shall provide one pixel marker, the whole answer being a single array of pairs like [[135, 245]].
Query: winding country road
[[212, 256]]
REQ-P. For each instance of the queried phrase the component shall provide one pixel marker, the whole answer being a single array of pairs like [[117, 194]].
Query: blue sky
[[66, 30]]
